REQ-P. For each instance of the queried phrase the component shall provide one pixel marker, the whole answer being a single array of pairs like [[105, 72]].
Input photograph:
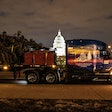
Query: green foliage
[[12, 48]]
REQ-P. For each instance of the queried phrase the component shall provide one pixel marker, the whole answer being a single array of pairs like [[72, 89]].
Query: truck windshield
[[106, 54]]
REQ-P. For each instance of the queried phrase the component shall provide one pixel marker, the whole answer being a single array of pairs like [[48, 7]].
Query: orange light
[[109, 47], [53, 66], [5, 67], [110, 72]]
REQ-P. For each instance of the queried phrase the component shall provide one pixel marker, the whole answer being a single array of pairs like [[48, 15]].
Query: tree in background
[[12, 48]]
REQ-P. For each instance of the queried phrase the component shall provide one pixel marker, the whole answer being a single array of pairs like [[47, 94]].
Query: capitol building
[[60, 47], [59, 44]]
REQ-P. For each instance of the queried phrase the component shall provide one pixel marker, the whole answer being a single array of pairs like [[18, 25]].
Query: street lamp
[[109, 46]]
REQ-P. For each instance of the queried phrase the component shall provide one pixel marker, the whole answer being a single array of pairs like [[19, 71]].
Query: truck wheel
[[32, 77], [51, 78]]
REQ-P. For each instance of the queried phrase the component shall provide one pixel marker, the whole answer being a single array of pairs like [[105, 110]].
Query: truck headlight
[[5, 67], [53, 66]]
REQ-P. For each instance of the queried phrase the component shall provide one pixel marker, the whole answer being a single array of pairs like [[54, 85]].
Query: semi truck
[[86, 60]]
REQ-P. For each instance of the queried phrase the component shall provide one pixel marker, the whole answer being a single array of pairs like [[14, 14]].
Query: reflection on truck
[[88, 59]]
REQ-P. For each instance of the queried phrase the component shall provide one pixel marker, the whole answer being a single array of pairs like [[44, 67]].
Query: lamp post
[[109, 46]]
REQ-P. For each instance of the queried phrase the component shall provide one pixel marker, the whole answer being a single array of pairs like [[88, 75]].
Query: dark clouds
[[109, 17], [41, 19], [3, 14]]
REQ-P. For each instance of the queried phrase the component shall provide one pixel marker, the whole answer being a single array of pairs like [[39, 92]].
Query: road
[[20, 89]]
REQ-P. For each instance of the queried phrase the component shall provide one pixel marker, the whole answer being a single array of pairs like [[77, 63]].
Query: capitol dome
[[59, 44], [59, 41]]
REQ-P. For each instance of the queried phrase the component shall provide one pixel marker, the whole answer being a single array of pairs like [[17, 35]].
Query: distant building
[[59, 44]]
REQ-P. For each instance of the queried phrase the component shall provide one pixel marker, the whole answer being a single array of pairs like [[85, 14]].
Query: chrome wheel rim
[[32, 77], [50, 78]]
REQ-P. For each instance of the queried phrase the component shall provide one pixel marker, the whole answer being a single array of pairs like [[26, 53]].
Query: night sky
[[41, 19]]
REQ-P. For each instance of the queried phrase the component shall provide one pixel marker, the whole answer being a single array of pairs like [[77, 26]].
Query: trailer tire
[[32, 77], [51, 77]]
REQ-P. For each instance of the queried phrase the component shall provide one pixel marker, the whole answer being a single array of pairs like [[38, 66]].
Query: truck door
[[106, 55]]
